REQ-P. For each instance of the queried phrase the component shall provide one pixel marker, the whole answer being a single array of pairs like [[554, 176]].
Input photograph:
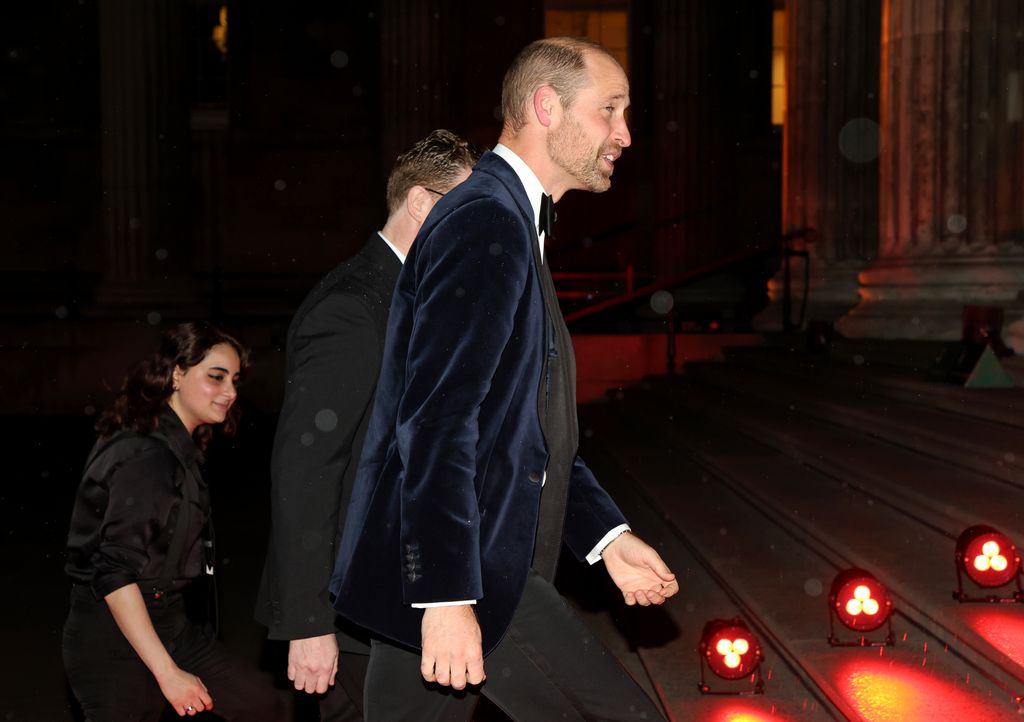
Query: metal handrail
[[629, 276], [702, 271]]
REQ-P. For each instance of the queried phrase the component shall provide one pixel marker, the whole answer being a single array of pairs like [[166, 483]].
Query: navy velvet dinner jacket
[[446, 499]]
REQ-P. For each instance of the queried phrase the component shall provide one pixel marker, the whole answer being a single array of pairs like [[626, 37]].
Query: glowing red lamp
[[990, 560], [730, 650], [862, 603]]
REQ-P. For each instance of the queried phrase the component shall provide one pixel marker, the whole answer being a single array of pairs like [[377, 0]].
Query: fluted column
[[686, 136], [951, 170], [145, 153], [415, 37], [830, 150]]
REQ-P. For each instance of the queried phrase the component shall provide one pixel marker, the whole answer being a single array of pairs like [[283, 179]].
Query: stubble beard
[[569, 149]]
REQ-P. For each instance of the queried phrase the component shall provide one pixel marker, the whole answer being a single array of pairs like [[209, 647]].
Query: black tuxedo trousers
[[548, 666]]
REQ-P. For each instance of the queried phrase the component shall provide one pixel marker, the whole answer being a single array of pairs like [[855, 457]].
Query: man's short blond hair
[[434, 162], [559, 62]]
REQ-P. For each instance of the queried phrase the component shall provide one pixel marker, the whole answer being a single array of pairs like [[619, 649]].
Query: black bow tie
[[547, 216]]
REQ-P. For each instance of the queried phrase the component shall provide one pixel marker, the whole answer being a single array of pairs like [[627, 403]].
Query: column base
[[923, 299], [833, 291]]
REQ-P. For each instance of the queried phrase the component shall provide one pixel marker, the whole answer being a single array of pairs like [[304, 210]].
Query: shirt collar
[[531, 184], [176, 433], [401, 256]]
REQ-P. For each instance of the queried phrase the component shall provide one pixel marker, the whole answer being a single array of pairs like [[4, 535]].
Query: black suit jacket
[[334, 350], [448, 491]]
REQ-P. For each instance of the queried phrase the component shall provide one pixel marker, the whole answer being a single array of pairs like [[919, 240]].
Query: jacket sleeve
[[590, 512], [141, 496], [333, 361], [471, 272]]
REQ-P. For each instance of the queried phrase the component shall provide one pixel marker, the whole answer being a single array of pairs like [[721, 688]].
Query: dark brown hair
[[149, 384], [433, 162], [559, 62]]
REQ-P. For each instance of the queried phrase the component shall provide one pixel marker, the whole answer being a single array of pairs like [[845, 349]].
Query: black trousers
[[113, 685], [548, 667]]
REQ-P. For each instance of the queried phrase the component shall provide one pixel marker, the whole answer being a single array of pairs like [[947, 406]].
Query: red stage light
[[730, 649], [861, 602], [987, 556]]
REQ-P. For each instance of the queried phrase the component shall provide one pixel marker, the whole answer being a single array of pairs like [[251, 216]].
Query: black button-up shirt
[[126, 510]]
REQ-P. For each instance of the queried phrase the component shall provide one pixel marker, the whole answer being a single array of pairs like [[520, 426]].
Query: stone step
[[777, 570], [948, 497], [853, 368], [965, 441], [669, 653]]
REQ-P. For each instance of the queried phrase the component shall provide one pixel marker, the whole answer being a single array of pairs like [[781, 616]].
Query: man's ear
[[546, 105], [418, 202]]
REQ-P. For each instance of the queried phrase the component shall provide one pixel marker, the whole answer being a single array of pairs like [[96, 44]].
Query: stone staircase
[[762, 477]]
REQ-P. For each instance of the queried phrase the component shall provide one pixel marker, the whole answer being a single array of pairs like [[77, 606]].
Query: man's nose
[[620, 134]]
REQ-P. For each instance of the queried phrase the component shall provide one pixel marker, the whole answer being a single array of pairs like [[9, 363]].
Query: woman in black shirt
[[139, 536]]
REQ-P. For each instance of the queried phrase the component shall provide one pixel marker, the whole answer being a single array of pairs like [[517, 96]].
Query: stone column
[[951, 170], [830, 151], [145, 157], [415, 38], [686, 133]]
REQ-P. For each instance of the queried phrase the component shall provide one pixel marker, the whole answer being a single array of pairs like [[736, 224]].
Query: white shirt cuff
[[595, 554], [428, 605]]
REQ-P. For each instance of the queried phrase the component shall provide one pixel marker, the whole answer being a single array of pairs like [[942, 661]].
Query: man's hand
[[452, 650], [638, 571], [313, 663]]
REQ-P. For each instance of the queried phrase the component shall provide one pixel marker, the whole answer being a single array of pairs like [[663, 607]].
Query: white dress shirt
[[401, 256]]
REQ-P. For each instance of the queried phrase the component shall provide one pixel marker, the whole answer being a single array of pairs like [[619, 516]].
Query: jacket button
[[534, 477]]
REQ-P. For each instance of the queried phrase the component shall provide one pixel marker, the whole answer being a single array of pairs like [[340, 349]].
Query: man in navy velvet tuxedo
[[469, 480]]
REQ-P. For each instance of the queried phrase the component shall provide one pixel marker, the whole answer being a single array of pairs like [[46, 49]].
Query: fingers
[[202, 701], [658, 565], [427, 663], [204, 698], [655, 595], [670, 589], [312, 678], [475, 671], [313, 663], [452, 652], [312, 682], [455, 671]]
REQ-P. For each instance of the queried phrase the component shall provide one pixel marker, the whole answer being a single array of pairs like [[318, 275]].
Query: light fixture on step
[[862, 603], [731, 651], [990, 560]]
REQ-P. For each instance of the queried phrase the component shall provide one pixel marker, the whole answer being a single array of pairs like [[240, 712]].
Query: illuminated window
[[778, 66], [207, 23], [609, 27]]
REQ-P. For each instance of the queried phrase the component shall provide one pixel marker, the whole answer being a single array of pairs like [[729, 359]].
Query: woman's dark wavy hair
[[149, 384]]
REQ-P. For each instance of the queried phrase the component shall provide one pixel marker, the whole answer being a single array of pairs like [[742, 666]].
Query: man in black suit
[[470, 481], [334, 349]]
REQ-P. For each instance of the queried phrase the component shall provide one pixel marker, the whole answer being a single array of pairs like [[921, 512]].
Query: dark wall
[[286, 145]]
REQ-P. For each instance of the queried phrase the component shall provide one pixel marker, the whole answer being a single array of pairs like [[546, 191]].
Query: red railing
[[703, 271]]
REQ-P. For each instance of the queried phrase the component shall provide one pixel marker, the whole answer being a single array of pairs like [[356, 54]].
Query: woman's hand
[[185, 691]]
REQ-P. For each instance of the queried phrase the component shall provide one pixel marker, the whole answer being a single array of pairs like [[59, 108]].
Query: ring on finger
[[190, 708]]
